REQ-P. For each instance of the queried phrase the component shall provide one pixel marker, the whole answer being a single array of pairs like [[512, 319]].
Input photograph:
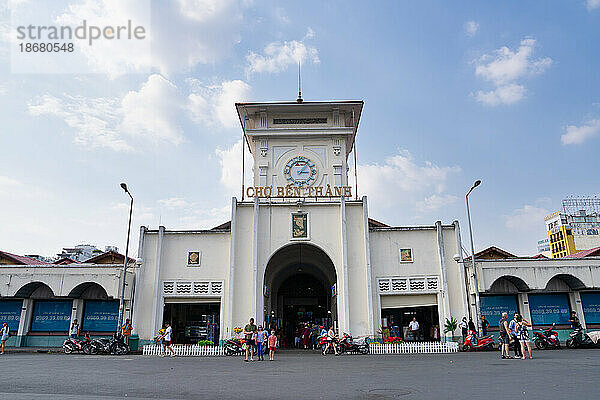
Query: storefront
[[193, 322], [549, 308], [492, 307]]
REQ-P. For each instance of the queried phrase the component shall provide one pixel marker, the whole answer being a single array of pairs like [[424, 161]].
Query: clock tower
[[300, 144]]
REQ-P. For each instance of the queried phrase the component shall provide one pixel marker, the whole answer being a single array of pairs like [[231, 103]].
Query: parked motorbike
[[72, 345], [324, 341], [578, 338], [236, 346], [116, 345], [546, 339], [348, 344], [473, 342]]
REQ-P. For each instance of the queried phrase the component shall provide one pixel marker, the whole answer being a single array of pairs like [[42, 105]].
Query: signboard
[[547, 309], [51, 316], [591, 307], [10, 312], [298, 191], [492, 307], [100, 316], [299, 226]]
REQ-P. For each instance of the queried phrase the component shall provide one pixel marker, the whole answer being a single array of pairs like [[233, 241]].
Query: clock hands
[[303, 170]]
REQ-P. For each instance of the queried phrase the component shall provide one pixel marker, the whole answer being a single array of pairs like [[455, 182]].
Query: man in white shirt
[[74, 330], [414, 328], [166, 342]]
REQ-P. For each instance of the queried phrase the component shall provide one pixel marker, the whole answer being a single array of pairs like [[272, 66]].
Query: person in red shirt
[[272, 343]]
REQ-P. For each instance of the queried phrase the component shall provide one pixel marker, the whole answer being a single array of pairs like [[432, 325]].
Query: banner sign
[[10, 312], [299, 191], [51, 316], [100, 316], [591, 307], [492, 307], [547, 309]]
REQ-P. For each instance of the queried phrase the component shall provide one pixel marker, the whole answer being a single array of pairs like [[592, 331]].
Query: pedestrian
[[74, 330], [261, 337], [249, 331], [297, 337], [126, 331], [514, 335], [306, 336], [414, 328], [272, 340], [574, 321], [331, 341], [484, 325], [504, 336], [166, 340], [4, 335], [472, 325], [464, 328], [524, 336]]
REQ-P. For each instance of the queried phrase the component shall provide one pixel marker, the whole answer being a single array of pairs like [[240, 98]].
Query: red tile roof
[[22, 260], [595, 252]]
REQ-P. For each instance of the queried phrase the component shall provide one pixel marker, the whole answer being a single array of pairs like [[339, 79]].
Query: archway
[[509, 284], [300, 281], [564, 283], [89, 291], [35, 290]]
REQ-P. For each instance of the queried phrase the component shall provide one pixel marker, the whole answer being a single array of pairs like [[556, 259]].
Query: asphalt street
[[557, 374]]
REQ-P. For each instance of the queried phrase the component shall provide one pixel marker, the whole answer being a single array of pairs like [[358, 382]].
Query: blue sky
[[453, 92]]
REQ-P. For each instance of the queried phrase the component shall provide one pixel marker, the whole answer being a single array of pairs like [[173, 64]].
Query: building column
[[575, 300], [368, 271], [157, 301], [346, 302], [523, 300], [461, 269], [24, 322], [77, 312], [230, 281], [444, 305], [258, 318]]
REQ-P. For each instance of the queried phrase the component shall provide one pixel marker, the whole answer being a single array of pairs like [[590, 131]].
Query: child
[[272, 344], [261, 338]]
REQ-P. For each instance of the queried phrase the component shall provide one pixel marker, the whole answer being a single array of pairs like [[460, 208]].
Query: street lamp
[[475, 281], [122, 299]]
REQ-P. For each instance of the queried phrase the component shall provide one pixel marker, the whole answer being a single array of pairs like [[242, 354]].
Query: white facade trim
[[408, 285]]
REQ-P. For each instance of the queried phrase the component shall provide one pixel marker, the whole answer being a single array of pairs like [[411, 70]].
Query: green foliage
[[450, 325], [205, 343]]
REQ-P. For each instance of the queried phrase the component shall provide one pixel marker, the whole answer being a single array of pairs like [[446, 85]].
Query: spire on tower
[[299, 99]]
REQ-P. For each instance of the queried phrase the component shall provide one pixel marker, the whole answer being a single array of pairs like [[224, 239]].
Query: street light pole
[[122, 299], [475, 280]]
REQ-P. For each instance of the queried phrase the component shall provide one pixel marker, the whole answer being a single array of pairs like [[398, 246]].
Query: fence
[[413, 347], [184, 350]]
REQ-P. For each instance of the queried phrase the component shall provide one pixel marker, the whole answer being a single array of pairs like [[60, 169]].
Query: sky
[[506, 92]]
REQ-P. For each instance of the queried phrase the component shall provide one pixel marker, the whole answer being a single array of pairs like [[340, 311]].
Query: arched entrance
[[300, 282]]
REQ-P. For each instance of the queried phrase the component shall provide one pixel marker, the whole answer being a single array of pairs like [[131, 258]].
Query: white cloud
[[504, 68], [507, 94], [179, 37], [231, 167], [214, 105], [435, 202], [8, 184], [153, 111], [527, 218], [579, 134], [277, 56], [471, 28], [592, 4], [400, 179], [174, 203]]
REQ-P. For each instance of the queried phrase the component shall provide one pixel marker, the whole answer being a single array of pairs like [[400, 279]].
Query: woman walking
[[306, 336], [523, 334], [5, 333]]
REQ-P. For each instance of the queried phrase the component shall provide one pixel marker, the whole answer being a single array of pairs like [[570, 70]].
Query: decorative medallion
[[300, 171], [406, 255], [299, 226], [194, 258]]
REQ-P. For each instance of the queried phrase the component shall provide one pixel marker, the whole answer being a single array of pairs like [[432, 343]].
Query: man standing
[[463, 328], [74, 330], [249, 331], [126, 331], [513, 331], [414, 328], [484, 325], [166, 340], [505, 335], [574, 321]]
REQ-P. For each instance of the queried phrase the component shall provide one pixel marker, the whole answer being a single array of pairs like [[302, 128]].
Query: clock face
[[300, 171]]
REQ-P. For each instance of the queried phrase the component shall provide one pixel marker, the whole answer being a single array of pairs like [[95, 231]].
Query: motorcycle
[[578, 338], [348, 344], [116, 345], [72, 345], [473, 343], [324, 341], [236, 346], [547, 339]]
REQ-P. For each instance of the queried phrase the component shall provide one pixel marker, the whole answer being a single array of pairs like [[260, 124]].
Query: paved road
[[571, 374]]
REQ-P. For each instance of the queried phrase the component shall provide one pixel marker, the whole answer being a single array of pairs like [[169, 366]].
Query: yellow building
[[575, 229]]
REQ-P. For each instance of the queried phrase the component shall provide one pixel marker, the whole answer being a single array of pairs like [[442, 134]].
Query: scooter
[[347, 344], [578, 338], [236, 346], [116, 345], [473, 343], [324, 342], [72, 345], [547, 339]]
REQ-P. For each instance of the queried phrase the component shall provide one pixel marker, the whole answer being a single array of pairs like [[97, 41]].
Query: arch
[[299, 277], [38, 290], [88, 290], [509, 284], [563, 282]]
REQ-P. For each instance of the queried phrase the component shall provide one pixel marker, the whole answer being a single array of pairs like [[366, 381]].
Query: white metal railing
[[413, 348], [184, 350]]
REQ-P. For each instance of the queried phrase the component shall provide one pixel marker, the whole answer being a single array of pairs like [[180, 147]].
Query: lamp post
[[122, 299], [475, 280]]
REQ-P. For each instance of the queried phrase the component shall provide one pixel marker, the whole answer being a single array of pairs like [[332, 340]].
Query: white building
[[300, 246]]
